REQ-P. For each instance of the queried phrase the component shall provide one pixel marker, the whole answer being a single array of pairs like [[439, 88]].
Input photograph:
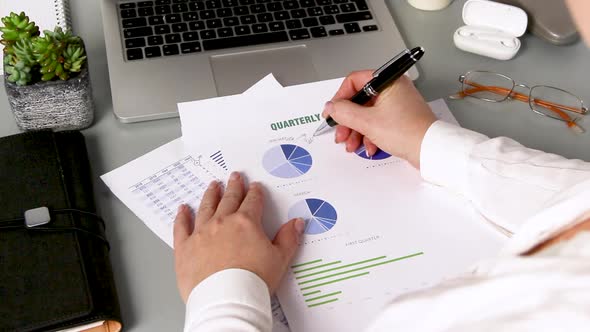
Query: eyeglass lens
[[487, 86], [552, 102]]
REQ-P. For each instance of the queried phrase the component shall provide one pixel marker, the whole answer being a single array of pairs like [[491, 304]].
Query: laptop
[[162, 52]]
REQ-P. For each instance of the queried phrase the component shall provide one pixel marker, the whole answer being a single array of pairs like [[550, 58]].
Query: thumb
[[349, 114], [288, 238]]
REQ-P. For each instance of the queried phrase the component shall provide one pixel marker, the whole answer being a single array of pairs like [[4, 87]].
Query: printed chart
[[380, 155], [319, 215], [287, 161], [320, 281], [180, 183]]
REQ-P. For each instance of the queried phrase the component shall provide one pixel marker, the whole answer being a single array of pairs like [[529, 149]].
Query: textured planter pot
[[57, 105]]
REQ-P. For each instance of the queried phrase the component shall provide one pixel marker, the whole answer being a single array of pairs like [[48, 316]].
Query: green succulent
[[29, 57]]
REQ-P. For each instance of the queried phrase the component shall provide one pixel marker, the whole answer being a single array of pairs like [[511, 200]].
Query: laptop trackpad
[[235, 73]]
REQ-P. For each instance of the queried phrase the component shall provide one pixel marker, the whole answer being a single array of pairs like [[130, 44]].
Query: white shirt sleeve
[[507, 182], [229, 300]]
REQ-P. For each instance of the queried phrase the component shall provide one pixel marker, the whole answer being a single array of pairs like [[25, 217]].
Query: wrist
[[413, 155]]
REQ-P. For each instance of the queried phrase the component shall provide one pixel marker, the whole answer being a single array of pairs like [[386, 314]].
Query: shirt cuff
[[232, 286], [444, 155]]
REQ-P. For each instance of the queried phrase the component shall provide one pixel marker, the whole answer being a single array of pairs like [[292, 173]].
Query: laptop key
[[134, 42], [259, 28], [310, 22], [170, 49], [153, 52], [291, 4], [190, 36], [225, 32], [347, 7], [134, 22], [138, 32], [197, 25], [333, 9], [194, 6], [208, 34], [257, 8], [179, 27], [193, 47], [354, 17], [298, 13], [264, 17], [248, 19], [315, 11], [134, 54], [180, 8], [127, 5], [229, 3], [243, 30], [298, 34], [173, 18], [190, 16], [340, 1], [276, 26], [214, 23], [213, 4], [327, 20], [318, 32], [224, 12], [282, 15], [179, 1], [155, 20], [361, 4], [293, 24], [230, 21], [128, 13], [207, 14], [241, 10], [336, 32], [147, 11], [370, 28], [352, 27], [173, 38], [162, 29], [274, 6], [261, 38], [163, 2], [155, 40], [246, 2], [163, 10], [145, 4], [324, 2], [307, 3]]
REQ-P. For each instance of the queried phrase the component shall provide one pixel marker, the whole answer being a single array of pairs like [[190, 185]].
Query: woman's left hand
[[226, 233]]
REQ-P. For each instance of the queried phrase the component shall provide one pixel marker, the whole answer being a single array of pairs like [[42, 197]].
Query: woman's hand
[[226, 232], [395, 122]]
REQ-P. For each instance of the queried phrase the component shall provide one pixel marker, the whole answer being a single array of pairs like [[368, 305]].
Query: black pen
[[382, 78]]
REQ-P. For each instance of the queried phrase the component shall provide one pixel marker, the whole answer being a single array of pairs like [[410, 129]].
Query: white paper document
[[374, 228]]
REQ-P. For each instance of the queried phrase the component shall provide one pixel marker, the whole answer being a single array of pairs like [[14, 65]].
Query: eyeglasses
[[547, 101]]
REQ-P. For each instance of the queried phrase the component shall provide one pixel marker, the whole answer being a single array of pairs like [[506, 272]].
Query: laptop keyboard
[[159, 28]]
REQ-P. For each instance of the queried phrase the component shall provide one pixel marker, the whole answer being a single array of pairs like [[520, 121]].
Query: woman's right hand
[[396, 122]]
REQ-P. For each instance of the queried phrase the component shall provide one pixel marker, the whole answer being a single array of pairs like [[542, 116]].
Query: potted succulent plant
[[45, 76]]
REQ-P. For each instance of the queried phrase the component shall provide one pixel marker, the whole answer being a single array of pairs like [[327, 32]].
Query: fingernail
[[367, 153], [254, 184], [181, 208], [329, 107], [299, 225], [213, 184], [234, 176]]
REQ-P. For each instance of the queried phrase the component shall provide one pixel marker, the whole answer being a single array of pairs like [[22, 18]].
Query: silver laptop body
[[149, 88]]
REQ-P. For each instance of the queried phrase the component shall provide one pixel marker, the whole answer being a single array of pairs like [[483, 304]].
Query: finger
[[351, 115], [370, 147], [342, 134], [253, 203], [208, 204], [353, 83], [354, 141], [233, 196], [183, 225], [288, 239]]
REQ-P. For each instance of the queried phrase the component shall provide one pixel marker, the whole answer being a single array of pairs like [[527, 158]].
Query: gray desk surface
[[144, 265]]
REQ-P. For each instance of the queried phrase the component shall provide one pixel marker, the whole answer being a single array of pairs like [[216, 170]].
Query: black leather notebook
[[55, 275]]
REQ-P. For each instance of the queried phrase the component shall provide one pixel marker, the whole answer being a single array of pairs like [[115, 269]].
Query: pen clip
[[388, 63]]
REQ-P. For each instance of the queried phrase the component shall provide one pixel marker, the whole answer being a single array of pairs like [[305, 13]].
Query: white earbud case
[[492, 29]]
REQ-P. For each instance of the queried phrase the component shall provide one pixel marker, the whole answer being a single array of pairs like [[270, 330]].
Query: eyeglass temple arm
[[501, 90], [519, 96]]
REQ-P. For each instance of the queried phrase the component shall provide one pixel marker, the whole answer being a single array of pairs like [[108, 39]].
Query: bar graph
[[313, 276]]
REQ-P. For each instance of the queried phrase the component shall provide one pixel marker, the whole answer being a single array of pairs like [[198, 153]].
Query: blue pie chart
[[287, 161], [319, 215], [361, 152]]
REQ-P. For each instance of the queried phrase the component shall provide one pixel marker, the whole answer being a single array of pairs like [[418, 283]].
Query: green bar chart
[[312, 276]]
